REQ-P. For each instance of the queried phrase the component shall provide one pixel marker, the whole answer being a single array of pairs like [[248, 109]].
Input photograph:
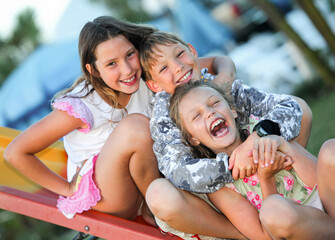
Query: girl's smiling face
[[208, 118], [118, 65]]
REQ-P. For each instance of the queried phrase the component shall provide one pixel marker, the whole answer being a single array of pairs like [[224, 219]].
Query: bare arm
[[306, 122], [266, 175], [21, 151], [221, 66], [304, 163], [240, 212]]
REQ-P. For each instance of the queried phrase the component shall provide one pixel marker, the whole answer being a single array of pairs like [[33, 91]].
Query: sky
[[47, 14]]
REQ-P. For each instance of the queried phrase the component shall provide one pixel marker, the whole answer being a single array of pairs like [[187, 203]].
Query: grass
[[323, 125]]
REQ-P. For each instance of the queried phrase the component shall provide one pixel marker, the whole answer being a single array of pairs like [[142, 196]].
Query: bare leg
[[186, 212], [284, 219], [306, 122], [125, 167], [325, 176]]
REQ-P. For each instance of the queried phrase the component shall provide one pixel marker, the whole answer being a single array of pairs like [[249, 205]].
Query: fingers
[[267, 153], [232, 160], [287, 163], [244, 172], [264, 150], [255, 151], [273, 153], [261, 152], [282, 161], [249, 172], [236, 173]]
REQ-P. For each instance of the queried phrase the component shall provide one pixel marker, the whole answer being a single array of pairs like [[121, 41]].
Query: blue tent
[[26, 93], [25, 96]]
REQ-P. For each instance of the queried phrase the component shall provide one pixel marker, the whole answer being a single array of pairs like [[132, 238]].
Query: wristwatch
[[267, 127]]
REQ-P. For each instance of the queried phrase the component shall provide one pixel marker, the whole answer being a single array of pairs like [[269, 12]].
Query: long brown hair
[[92, 34], [200, 151]]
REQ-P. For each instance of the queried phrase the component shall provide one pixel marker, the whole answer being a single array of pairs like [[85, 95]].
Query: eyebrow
[[211, 97], [113, 59]]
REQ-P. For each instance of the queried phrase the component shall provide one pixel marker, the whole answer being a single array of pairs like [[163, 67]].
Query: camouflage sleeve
[[279, 108], [175, 159]]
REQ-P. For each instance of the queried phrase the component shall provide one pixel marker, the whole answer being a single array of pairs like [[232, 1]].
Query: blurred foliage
[[277, 19], [17, 227], [323, 120], [331, 5], [23, 40], [320, 99], [130, 10]]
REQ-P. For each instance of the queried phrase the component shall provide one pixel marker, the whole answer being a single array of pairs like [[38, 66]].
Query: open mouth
[[219, 128], [129, 81], [185, 78]]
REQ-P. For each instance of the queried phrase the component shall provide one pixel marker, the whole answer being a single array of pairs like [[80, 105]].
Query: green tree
[[319, 22], [130, 10], [23, 40], [277, 19]]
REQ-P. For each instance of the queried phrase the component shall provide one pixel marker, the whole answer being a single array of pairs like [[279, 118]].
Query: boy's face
[[175, 64]]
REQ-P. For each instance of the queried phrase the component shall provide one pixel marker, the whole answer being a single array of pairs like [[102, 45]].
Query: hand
[[281, 162], [265, 149], [241, 161], [72, 184]]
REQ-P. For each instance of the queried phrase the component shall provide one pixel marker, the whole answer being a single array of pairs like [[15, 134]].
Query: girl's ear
[[192, 49], [153, 86], [234, 113], [194, 142], [88, 68]]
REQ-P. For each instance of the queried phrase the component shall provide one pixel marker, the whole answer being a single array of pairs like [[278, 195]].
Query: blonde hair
[[149, 47], [200, 151]]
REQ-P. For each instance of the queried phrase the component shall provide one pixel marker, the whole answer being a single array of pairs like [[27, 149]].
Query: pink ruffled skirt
[[86, 196]]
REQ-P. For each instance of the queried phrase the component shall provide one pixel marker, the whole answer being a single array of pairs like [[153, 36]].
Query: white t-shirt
[[84, 144]]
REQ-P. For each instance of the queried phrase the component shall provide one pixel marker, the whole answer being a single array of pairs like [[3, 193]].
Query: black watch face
[[261, 132]]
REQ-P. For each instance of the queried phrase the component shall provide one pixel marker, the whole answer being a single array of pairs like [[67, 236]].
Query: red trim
[[196, 236]]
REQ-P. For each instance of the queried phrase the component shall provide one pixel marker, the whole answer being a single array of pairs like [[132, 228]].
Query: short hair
[[148, 47]]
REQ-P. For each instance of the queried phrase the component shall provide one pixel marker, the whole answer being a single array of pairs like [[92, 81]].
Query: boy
[[167, 62]]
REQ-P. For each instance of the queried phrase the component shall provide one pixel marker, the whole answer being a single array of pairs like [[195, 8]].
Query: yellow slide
[[54, 157]]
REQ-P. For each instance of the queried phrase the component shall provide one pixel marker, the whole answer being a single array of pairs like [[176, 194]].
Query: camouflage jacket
[[175, 160]]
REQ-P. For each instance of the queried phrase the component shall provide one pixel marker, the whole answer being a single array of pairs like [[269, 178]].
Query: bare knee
[[164, 200], [134, 126], [132, 135], [326, 158], [278, 216]]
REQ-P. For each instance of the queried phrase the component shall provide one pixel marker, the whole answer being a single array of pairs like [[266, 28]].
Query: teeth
[[216, 123], [185, 77], [129, 80]]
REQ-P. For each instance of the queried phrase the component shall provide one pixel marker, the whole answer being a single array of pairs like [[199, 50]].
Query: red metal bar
[[19, 195], [92, 222]]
